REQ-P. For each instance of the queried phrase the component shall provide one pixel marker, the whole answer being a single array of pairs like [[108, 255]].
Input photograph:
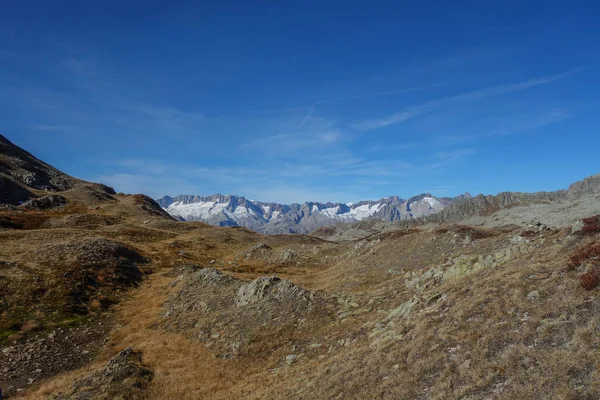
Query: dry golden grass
[[520, 330], [183, 369]]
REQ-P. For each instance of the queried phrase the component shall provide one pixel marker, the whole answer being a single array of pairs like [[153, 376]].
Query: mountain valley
[[106, 295]]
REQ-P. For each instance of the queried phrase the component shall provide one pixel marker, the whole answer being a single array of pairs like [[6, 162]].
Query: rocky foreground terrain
[[104, 295]]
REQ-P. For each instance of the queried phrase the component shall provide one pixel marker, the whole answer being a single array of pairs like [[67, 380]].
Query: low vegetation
[[590, 279], [587, 253], [105, 296]]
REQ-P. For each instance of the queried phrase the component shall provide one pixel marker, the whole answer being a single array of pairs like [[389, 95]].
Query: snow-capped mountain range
[[272, 218]]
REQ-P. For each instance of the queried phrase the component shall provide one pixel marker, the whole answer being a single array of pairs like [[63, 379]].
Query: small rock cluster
[[124, 377], [270, 286]]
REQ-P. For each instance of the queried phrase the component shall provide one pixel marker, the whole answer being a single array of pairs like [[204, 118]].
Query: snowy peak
[[230, 210]]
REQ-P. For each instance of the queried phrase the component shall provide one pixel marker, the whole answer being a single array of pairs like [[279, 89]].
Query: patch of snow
[[331, 212], [355, 214], [432, 202], [203, 210], [242, 212]]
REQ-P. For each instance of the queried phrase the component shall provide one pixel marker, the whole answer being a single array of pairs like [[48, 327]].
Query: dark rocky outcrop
[[22, 176], [45, 202]]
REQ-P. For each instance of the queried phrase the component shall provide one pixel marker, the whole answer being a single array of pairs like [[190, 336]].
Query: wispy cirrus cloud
[[161, 118], [102, 100], [80, 66], [493, 91], [453, 155], [512, 125], [450, 157], [51, 128], [263, 181], [311, 109], [283, 139]]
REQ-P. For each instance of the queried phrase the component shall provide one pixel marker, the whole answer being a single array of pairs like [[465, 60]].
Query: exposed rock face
[[485, 204], [259, 251], [21, 174], [13, 193], [45, 202], [28, 170], [587, 186], [482, 203], [124, 377], [270, 286]]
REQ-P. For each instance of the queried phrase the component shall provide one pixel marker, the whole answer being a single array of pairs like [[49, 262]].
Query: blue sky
[[306, 100]]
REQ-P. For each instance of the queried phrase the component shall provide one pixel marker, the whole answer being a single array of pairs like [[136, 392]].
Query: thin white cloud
[[313, 106], [418, 110], [512, 125], [302, 181], [453, 154], [51, 128], [80, 66], [151, 185], [165, 120], [451, 157], [318, 136]]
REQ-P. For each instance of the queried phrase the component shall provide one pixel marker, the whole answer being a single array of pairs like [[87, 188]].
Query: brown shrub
[[528, 234], [590, 280], [585, 253], [591, 225]]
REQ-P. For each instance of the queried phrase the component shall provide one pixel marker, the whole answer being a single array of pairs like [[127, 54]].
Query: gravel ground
[[45, 354]]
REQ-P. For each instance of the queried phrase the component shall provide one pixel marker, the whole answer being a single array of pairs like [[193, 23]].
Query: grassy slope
[[519, 328]]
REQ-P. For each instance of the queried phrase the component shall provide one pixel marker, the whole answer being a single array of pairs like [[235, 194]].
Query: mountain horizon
[[271, 217]]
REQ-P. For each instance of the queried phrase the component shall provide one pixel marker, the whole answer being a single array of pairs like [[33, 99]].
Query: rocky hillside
[[23, 176], [558, 208], [273, 218], [106, 296]]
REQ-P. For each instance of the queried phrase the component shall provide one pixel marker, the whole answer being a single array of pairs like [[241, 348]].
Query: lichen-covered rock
[[462, 266], [271, 287], [404, 309], [259, 251], [124, 377]]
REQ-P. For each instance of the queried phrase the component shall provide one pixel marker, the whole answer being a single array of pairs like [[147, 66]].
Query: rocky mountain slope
[[23, 177], [273, 218], [558, 208], [106, 296], [458, 210]]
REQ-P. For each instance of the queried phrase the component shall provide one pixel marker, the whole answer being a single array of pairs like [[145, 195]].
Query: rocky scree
[[40, 355]]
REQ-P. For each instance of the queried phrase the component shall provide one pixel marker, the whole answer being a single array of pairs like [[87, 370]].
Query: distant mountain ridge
[[273, 218], [589, 186]]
